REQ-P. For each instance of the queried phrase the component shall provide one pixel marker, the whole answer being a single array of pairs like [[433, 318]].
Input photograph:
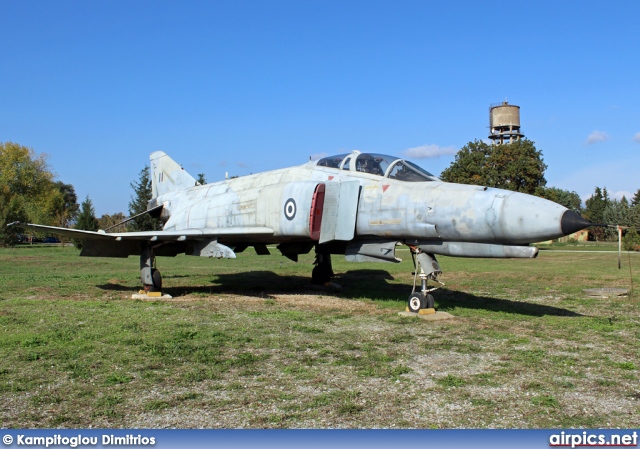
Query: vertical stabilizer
[[167, 175]]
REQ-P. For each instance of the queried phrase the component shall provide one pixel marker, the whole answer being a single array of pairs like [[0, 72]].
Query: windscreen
[[410, 172], [332, 161], [379, 165]]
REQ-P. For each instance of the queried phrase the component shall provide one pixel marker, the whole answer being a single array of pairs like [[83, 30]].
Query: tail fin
[[167, 176]]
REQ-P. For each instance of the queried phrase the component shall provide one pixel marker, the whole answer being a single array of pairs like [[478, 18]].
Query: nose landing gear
[[419, 301], [427, 268]]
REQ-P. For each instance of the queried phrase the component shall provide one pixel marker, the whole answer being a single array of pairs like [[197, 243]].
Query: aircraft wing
[[64, 232], [187, 234], [196, 242]]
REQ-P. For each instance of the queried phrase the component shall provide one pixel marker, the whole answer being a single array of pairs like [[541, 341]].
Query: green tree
[[636, 198], [201, 179], [596, 204], [616, 213], [138, 204], [516, 166], [27, 190], [11, 210], [631, 240], [69, 208], [634, 215], [107, 221], [25, 172], [469, 166], [594, 212], [86, 219], [570, 200]]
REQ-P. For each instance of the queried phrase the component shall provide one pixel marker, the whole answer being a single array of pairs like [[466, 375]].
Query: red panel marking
[[315, 214], [331, 178], [385, 187]]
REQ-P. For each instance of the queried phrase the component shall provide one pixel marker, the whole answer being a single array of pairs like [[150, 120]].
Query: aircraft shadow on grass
[[356, 284]]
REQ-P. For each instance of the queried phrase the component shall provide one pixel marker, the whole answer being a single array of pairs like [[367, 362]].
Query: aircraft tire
[[321, 274], [157, 281], [416, 302], [430, 301]]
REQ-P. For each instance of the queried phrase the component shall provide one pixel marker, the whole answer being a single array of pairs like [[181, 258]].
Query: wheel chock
[[423, 311], [150, 294], [146, 295]]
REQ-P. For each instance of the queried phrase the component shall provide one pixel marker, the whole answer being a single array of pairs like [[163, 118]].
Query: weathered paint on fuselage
[[387, 208]]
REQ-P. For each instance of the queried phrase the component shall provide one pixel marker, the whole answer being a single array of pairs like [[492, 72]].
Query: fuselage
[[387, 207]]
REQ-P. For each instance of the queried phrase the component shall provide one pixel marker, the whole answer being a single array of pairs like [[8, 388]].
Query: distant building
[[580, 236]]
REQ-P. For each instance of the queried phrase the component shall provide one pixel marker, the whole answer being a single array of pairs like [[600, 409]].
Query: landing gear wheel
[[417, 301], [321, 274], [157, 281], [430, 301]]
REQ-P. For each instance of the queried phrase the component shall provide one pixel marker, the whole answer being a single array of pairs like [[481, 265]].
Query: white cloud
[[619, 194], [597, 136], [428, 151], [637, 137]]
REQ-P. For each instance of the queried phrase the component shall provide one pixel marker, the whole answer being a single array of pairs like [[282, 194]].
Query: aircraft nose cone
[[572, 222]]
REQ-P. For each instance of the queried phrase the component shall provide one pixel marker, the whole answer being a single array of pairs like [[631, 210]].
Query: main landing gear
[[323, 271], [149, 274], [427, 268]]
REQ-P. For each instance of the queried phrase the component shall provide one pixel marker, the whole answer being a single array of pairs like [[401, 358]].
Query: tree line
[[29, 193]]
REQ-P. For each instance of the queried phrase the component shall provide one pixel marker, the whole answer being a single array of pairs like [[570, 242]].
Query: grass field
[[249, 343]]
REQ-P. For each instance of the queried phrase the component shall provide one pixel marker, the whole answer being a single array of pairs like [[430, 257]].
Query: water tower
[[504, 122]]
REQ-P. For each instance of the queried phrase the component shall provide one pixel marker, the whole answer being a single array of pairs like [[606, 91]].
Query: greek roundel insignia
[[290, 209]]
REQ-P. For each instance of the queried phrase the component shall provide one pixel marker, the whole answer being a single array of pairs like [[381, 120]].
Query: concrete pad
[[605, 292], [438, 316]]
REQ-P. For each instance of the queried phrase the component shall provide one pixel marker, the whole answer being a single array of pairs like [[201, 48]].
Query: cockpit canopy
[[378, 164]]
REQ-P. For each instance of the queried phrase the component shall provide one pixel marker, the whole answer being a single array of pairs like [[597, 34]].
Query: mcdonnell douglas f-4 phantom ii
[[361, 205]]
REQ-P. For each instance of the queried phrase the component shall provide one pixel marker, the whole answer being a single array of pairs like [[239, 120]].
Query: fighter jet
[[362, 205]]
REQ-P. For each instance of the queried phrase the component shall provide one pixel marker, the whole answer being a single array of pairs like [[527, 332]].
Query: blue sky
[[246, 86]]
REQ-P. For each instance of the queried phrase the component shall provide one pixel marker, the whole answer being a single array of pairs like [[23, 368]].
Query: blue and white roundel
[[290, 209]]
